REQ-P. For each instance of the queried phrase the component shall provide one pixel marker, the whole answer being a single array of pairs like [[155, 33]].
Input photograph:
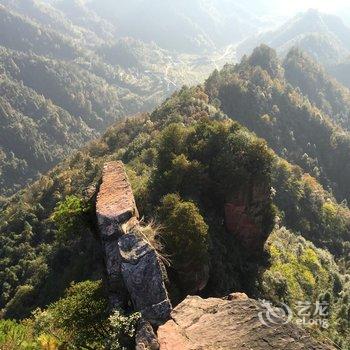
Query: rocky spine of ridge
[[135, 273], [133, 269]]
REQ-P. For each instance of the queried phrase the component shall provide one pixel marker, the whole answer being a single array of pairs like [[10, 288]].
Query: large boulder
[[133, 269], [143, 278], [232, 324], [115, 206]]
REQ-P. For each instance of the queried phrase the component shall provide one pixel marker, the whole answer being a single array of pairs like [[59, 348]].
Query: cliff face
[[244, 216], [134, 271]]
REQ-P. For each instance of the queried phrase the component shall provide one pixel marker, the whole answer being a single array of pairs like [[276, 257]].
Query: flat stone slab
[[115, 201], [212, 324]]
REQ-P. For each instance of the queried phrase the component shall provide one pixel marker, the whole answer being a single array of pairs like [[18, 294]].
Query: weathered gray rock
[[208, 324], [145, 337], [133, 268], [142, 275], [117, 292]]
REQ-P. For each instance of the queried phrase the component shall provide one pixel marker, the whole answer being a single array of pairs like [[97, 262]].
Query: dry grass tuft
[[151, 232]]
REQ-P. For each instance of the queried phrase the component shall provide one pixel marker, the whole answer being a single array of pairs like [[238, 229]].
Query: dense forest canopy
[[257, 93], [71, 78]]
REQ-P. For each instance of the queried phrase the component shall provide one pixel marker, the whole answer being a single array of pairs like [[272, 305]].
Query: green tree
[[69, 216], [16, 336], [186, 240], [83, 320]]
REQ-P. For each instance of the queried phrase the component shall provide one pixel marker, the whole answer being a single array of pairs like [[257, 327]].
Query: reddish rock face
[[241, 225], [115, 201], [212, 324], [244, 217]]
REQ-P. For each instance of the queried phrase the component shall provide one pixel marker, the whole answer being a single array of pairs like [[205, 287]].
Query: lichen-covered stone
[[142, 274]]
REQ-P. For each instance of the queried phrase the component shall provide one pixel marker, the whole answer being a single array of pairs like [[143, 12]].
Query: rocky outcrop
[[115, 206], [232, 324], [142, 275], [145, 337], [134, 271]]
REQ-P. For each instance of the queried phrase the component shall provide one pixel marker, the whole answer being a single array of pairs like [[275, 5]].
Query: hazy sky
[[324, 5], [285, 9], [330, 6]]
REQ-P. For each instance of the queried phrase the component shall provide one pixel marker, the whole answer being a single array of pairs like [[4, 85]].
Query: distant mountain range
[[185, 26], [325, 37], [65, 58]]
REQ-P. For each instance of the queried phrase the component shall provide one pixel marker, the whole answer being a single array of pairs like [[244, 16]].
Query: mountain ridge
[[110, 216], [323, 36], [182, 139]]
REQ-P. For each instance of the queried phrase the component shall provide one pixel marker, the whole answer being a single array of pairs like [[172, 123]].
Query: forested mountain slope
[[19, 33], [51, 103], [86, 81], [324, 37], [256, 93], [333, 99], [35, 134], [341, 72], [62, 105], [185, 161]]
